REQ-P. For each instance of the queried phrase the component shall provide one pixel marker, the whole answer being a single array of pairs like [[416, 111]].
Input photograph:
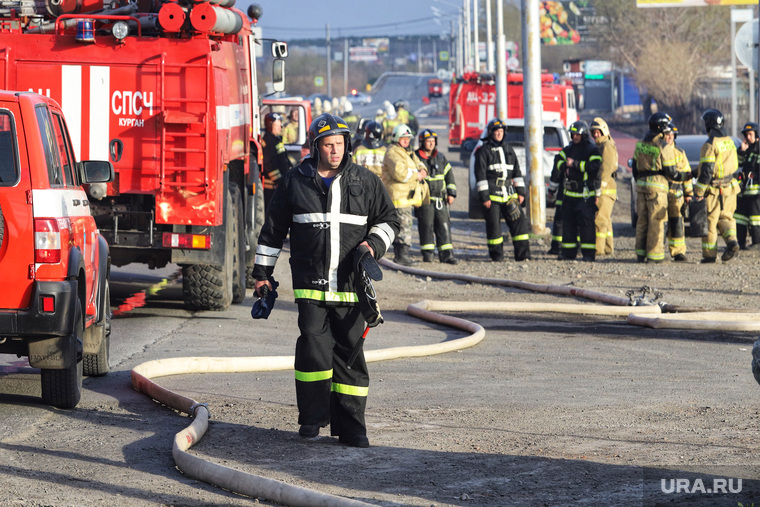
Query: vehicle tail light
[[187, 240], [47, 241], [48, 304]]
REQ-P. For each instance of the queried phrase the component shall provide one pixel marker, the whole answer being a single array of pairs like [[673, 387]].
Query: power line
[[343, 29]]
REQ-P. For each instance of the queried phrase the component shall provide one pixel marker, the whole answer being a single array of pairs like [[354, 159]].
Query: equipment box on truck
[[55, 304]]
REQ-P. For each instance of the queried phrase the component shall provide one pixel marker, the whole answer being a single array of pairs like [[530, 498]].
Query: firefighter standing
[[404, 177], [371, 152], [717, 185], [678, 194], [290, 131], [654, 166], [748, 207], [433, 219], [330, 206], [606, 146], [580, 163], [276, 161], [501, 189]]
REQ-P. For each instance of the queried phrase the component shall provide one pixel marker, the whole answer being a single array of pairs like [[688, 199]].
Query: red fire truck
[[166, 91], [472, 103]]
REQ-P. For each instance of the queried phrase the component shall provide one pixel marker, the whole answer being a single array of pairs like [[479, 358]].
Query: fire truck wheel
[[238, 247], [207, 287], [258, 222], [96, 365], [63, 388]]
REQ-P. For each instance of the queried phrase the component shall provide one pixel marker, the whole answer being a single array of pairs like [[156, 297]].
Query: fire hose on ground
[[642, 313]]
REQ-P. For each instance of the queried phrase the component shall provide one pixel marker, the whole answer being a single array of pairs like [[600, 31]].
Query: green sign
[[319, 81], [443, 56]]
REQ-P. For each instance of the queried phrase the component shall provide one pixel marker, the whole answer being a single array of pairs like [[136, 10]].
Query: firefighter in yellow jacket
[[654, 165], [404, 177], [718, 186], [678, 194], [606, 201]]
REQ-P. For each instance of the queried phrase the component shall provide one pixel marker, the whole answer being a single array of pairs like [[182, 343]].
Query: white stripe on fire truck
[[222, 118], [71, 104], [100, 112], [59, 203]]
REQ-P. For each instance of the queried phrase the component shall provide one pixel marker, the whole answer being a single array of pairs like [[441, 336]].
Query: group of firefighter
[[725, 200]]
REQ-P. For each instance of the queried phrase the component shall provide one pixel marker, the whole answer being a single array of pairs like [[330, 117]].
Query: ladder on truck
[[178, 135]]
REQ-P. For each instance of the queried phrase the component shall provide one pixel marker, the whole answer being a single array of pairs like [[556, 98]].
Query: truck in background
[[472, 104], [168, 93]]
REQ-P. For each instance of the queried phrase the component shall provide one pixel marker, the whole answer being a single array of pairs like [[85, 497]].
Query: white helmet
[[400, 131], [347, 107]]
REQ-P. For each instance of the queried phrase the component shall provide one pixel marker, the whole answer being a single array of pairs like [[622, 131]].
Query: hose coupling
[[196, 406]]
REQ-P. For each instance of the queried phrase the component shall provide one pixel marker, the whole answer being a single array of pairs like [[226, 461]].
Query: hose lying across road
[[288, 494]]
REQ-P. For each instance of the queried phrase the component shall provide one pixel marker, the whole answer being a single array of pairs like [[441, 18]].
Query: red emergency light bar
[[186, 240]]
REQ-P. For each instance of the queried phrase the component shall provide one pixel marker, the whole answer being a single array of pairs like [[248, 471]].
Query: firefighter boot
[[401, 255], [427, 256], [447, 257], [732, 247]]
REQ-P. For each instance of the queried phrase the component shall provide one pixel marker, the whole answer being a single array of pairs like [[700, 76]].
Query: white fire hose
[[288, 494]]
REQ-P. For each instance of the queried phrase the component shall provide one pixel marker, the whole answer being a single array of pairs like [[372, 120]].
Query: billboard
[[565, 22], [691, 3]]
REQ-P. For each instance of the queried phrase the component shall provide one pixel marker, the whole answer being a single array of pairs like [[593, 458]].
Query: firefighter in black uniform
[[276, 161], [433, 220], [501, 189], [579, 163], [748, 206], [330, 206], [556, 198]]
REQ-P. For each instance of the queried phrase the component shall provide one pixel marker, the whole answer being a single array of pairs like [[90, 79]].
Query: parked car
[[55, 302], [692, 146], [358, 98], [556, 137], [321, 96]]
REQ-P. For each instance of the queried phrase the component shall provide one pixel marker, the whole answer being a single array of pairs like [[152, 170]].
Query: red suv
[[55, 302]]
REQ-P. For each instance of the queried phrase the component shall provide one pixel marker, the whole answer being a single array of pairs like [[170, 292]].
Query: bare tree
[[669, 49]]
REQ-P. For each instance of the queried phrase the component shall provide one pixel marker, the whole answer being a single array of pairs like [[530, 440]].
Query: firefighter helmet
[[400, 131], [600, 125], [750, 126], [672, 127], [713, 119], [269, 120], [399, 104], [579, 127], [426, 134], [658, 122], [494, 125], [325, 125], [373, 131]]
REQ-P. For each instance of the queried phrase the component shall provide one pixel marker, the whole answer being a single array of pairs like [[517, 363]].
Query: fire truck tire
[[207, 287], [259, 214], [238, 247], [96, 365], [63, 388]]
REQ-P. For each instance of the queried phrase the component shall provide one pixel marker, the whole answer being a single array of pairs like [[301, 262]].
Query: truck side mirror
[[97, 171], [278, 75], [280, 49]]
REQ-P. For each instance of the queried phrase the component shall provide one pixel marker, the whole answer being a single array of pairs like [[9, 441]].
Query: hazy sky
[[296, 19]]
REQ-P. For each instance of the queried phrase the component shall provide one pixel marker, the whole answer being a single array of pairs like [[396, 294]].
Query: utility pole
[[435, 56], [489, 39], [467, 36], [501, 64], [345, 67], [419, 54], [532, 107], [329, 83], [476, 36]]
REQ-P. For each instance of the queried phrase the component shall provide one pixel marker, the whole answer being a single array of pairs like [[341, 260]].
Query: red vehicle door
[[17, 249]]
